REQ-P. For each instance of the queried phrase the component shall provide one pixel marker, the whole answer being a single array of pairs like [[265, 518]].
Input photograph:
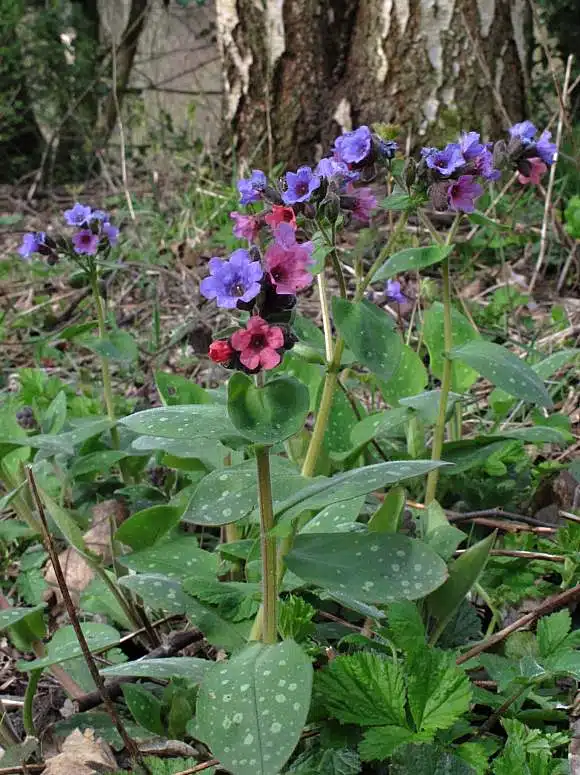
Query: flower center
[[257, 342], [302, 188], [278, 274], [237, 289]]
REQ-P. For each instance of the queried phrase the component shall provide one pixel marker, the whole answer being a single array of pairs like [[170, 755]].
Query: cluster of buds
[[94, 234]]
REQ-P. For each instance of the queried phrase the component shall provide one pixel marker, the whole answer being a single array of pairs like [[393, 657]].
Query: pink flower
[[85, 241], [533, 174], [220, 351], [245, 226], [287, 261], [258, 344], [280, 215], [364, 202]]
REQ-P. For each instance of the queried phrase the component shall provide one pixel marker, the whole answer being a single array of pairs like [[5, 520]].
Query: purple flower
[[445, 162], [86, 242], [545, 149], [251, 188], [332, 168], [31, 243], [79, 215], [470, 146], [99, 215], [387, 148], [394, 293], [484, 165], [353, 147], [463, 192], [232, 281], [525, 131], [111, 232], [300, 185]]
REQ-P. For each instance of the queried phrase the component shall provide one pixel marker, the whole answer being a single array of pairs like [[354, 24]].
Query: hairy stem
[[27, 715], [269, 618]]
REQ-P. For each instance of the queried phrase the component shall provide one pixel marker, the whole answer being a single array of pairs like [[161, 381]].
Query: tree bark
[[296, 72]]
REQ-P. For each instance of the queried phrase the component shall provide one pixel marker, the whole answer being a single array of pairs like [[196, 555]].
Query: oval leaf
[[267, 414], [64, 645], [208, 421], [183, 667], [11, 616], [372, 567], [371, 335], [504, 369], [178, 559], [462, 376], [411, 260], [144, 528], [251, 710], [409, 379]]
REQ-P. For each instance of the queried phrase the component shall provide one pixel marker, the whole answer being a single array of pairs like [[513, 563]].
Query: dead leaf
[[82, 754], [77, 571]]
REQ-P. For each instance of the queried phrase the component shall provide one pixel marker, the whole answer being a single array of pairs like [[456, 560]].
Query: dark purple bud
[[438, 195], [500, 154], [25, 418]]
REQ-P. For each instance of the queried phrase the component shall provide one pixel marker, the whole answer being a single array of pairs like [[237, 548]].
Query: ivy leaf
[[234, 698], [505, 370], [439, 691], [363, 689]]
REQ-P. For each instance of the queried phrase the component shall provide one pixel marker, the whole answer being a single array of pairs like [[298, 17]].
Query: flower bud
[[438, 195], [410, 172], [221, 351], [500, 154], [331, 206]]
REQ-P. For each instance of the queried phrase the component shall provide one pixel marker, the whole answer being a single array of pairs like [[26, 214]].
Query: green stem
[[267, 623], [382, 257], [439, 432], [105, 368], [27, 715]]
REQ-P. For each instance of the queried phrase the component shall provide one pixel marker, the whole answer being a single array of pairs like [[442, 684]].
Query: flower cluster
[[530, 156], [94, 233]]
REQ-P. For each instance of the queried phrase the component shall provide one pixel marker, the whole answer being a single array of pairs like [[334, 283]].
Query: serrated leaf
[[428, 759], [439, 692], [462, 376], [379, 743], [230, 494], [409, 379], [504, 369], [144, 707], [371, 335], [552, 632], [233, 699], [405, 626], [330, 761], [64, 645], [144, 528], [412, 260], [363, 689], [397, 202], [178, 559], [207, 421], [372, 567]]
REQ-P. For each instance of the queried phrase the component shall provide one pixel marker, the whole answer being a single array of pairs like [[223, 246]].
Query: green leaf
[[429, 760], [351, 484], [176, 390], [439, 691], [462, 376], [267, 414], [11, 616], [230, 494], [504, 369], [65, 523], [463, 574], [211, 452], [426, 404], [537, 434], [144, 707], [411, 260], [184, 423], [178, 559], [363, 689], [310, 374], [387, 517], [326, 761], [372, 567], [144, 528], [251, 710], [552, 632], [389, 422], [336, 518], [405, 626], [380, 743], [340, 423], [371, 335], [64, 645], [117, 346], [50, 445], [55, 416], [397, 202], [97, 462], [409, 379], [102, 725]]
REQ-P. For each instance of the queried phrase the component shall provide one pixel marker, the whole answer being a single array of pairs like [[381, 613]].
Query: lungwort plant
[[306, 494]]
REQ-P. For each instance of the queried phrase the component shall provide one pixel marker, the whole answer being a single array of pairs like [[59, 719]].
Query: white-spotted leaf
[[183, 667], [11, 616], [409, 379], [207, 421], [372, 567], [178, 559], [462, 375], [64, 645], [411, 260], [338, 517], [251, 710]]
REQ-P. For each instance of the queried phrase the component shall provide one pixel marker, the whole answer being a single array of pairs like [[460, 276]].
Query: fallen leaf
[[82, 754]]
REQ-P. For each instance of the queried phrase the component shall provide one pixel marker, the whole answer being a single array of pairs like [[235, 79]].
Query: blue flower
[[353, 147], [444, 162], [394, 293], [470, 146], [111, 232], [31, 243], [251, 188], [525, 131], [484, 165], [85, 242], [545, 149], [332, 168], [79, 215], [232, 281], [387, 148], [300, 185]]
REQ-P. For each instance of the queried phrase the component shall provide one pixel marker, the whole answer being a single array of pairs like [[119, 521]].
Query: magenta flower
[[463, 192], [300, 185], [258, 344], [31, 243], [353, 147], [287, 261], [86, 242], [79, 215], [531, 171], [232, 281], [364, 202], [245, 226], [444, 162]]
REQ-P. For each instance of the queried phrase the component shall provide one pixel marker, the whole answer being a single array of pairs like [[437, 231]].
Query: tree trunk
[[299, 71]]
